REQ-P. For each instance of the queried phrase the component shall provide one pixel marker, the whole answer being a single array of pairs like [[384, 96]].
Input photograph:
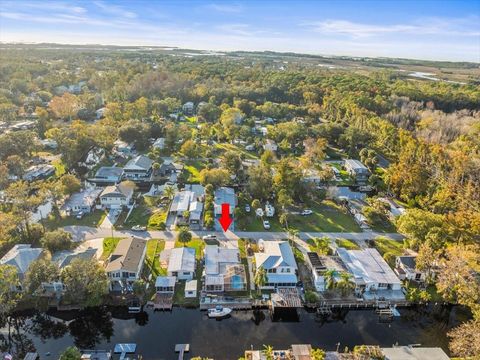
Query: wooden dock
[[285, 298], [234, 305], [161, 302]]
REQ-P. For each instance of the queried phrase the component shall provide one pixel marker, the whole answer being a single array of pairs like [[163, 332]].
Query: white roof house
[[159, 143], [165, 284], [84, 200], [278, 261], [369, 269], [21, 256], [270, 145], [216, 259], [139, 163], [182, 263], [181, 202], [191, 288], [414, 353]]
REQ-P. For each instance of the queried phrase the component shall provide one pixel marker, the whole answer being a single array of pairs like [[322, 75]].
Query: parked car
[[139, 228], [209, 237], [247, 208], [266, 224], [306, 212], [80, 215]]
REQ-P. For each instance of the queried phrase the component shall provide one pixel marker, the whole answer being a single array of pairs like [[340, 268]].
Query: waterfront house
[[138, 169], [181, 263], [414, 353], [21, 256], [357, 171], [125, 264], [371, 274], [191, 288], [317, 268], [165, 284], [117, 196], [295, 352], [406, 268], [278, 261], [65, 257], [108, 175], [83, 201], [223, 270]]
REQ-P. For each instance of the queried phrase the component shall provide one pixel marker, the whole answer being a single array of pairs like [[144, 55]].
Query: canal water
[[156, 333]]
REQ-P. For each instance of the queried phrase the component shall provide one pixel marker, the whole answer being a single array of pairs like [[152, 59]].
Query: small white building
[[83, 201], [270, 145], [317, 269], [181, 263], [269, 210], [159, 144], [406, 268], [188, 108], [117, 196], [191, 288], [165, 284]]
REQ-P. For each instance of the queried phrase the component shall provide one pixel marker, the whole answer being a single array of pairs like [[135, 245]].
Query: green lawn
[[327, 217], [150, 216], [196, 243], [154, 248], [179, 296], [109, 244], [93, 219], [346, 179], [193, 168], [384, 245], [347, 244], [239, 149]]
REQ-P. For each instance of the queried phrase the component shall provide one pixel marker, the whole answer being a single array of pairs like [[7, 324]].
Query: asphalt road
[[82, 233]]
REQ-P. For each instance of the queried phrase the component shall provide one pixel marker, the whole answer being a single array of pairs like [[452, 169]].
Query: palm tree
[[345, 284], [284, 219], [292, 234], [261, 278], [268, 351], [329, 277], [169, 191]]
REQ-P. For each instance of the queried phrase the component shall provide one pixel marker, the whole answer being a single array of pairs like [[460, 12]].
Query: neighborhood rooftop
[[21, 256], [181, 259], [368, 265], [127, 255]]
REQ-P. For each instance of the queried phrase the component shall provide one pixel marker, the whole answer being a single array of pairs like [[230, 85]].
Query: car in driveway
[[209, 237], [266, 224], [306, 212], [139, 228], [80, 215]]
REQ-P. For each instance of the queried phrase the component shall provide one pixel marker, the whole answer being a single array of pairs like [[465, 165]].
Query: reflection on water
[[156, 333]]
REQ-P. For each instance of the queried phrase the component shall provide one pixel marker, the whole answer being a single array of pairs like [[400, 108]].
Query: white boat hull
[[214, 313]]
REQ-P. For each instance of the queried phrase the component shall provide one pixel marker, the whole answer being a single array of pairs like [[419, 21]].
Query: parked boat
[[219, 312]]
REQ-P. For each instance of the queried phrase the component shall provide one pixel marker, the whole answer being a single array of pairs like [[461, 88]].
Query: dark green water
[[156, 333]]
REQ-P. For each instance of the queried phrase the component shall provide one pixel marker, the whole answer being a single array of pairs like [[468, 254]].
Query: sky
[[421, 29]]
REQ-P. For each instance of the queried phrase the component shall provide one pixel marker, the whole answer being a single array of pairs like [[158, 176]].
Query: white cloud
[[115, 10], [226, 8], [426, 26]]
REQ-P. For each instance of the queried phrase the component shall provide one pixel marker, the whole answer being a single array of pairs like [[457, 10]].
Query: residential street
[[82, 233]]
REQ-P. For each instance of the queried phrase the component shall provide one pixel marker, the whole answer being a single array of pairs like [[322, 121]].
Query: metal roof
[[182, 260]]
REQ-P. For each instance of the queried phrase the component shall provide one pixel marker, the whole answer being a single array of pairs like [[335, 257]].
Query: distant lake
[[156, 333]]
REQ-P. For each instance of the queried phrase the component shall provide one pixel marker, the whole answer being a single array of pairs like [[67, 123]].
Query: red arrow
[[225, 219]]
